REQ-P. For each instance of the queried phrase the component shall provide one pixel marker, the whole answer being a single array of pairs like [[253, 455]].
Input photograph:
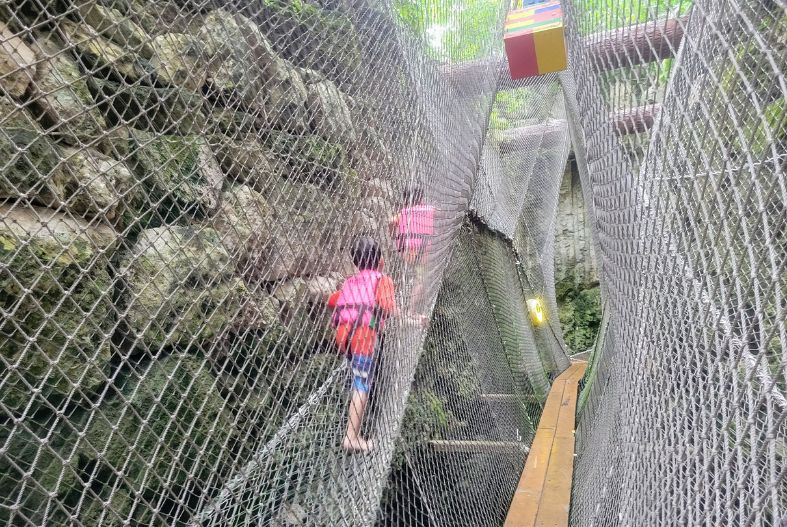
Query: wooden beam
[[633, 45], [624, 122], [609, 50], [634, 120], [543, 495], [478, 447]]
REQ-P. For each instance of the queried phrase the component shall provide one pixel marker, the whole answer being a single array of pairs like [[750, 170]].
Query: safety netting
[[679, 126], [182, 183]]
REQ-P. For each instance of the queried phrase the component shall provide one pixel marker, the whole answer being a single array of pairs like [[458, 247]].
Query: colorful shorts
[[362, 372]]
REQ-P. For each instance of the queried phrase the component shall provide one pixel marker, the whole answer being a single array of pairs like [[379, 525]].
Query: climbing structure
[[181, 180]]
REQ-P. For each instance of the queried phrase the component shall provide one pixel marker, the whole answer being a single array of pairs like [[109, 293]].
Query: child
[[413, 226], [412, 229], [361, 306]]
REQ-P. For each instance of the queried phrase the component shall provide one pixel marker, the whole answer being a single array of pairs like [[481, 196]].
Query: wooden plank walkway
[[543, 495]]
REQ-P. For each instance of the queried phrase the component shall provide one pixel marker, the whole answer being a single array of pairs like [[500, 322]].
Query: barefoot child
[[361, 306]]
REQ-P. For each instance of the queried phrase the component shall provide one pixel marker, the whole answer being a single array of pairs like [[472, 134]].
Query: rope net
[[183, 184]]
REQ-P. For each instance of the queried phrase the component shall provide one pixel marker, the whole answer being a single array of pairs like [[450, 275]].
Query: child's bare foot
[[356, 444]]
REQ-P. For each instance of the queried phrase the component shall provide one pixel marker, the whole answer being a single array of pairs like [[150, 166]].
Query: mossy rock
[[312, 37], [580, 314], [91, 184], [312, 159], [116, 26], [179, 178], [45, 448], [166, 430], [180, 60], [83, 181], [246, 160], [102, 57], [304, 312], [29, 156], [244, 66], [180, 287], [244, 223], [160, 110], [62, 96], [55, 282], [304, 374]]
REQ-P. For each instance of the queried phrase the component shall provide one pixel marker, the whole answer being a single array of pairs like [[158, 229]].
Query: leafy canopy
[[455, 30]]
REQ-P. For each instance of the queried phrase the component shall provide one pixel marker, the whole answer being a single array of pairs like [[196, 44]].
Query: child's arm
[[333, 299], [393, 225]]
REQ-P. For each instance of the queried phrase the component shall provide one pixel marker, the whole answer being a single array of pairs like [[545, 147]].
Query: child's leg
[[353, 439], [361, 369]]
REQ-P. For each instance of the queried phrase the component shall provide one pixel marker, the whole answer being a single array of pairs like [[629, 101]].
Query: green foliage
[[512, 108], [454, 31], [508, 106], [580, 314]]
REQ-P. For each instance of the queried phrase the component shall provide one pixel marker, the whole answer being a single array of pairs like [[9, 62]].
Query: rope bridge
[[182, 184]]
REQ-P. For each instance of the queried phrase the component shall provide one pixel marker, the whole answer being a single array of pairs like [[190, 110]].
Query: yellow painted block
[[550, 49]]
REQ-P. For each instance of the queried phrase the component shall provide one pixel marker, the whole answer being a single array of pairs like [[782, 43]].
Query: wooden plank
[[524, 507], [543, 495], [554, 507], [478, 447]]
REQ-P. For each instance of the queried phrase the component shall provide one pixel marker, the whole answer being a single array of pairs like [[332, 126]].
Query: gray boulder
[[329, 115], [261, 312], [101, 54], [312, 159], [117, 27], [17, 63], [243, 63], [180, 287], [178, 174], [170, 110], [62, 96], [283, 97], [247, 161], [380, 188], [320, 221], [58, 294], [90, 184], [29, 157], [244, 221], [179, 59], [310, 76]]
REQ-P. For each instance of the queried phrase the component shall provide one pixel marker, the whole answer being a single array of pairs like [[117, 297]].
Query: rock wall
[[574, 259], [180, 184]]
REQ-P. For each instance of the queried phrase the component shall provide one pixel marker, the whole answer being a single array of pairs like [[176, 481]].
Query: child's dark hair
[[366, 253], [412, 195]]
